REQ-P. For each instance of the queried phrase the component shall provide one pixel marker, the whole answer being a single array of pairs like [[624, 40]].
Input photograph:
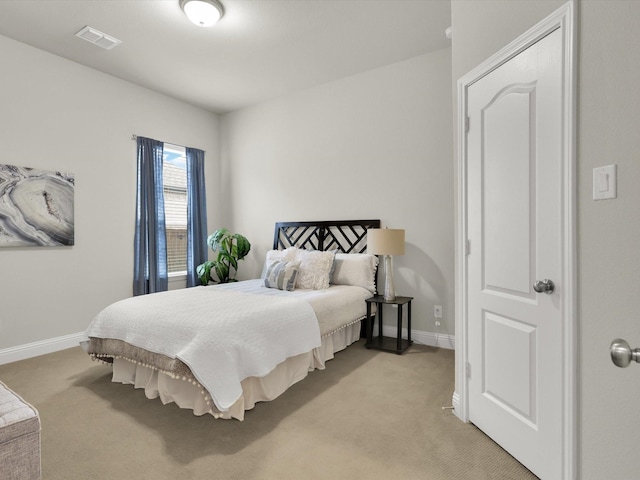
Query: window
[[181, 172], [174, 174]]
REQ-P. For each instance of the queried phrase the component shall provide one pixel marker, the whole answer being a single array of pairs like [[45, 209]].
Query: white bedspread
[[223, 336], [335, 307]]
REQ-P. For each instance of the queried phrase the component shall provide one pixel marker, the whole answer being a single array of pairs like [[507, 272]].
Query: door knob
[[622, 354], [545, 286]]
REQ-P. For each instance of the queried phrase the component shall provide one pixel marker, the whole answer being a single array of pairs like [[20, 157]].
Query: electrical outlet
[[437, 311], [437, 323]]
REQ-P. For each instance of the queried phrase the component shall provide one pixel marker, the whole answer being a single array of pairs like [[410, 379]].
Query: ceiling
[[260, 49]]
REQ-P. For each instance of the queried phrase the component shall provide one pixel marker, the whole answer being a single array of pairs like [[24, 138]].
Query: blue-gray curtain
[[196, 215], [150, 272]]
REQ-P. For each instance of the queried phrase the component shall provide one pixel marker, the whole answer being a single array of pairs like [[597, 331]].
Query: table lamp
[[386, 242]]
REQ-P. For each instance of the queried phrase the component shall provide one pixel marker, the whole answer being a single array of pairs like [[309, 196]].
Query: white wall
[[482, 28], [58, 115], [609, 263], [374, 145], [608, 231]]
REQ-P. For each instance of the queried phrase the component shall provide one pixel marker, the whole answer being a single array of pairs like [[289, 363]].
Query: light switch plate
[[604, 182]]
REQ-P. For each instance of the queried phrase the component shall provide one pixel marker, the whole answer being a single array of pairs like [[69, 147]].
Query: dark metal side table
[[388, 344]]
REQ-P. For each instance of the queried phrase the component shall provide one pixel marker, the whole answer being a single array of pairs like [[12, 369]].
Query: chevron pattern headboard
[[346, 236]]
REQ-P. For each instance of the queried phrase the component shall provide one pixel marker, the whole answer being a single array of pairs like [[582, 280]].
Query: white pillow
[[358, 269], [315, 268]]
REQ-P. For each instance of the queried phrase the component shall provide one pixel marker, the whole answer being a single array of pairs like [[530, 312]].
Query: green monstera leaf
[[215, 239], [204, 272], [242, 247]]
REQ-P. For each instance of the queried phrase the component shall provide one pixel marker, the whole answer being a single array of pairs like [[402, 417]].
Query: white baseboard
[[35, 349], [455, 401], [423, 338]]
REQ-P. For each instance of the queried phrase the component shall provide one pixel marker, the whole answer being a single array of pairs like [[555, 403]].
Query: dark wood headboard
[[346, 236]]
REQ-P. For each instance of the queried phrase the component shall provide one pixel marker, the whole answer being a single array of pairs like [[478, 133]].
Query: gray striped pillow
[[282, 275]]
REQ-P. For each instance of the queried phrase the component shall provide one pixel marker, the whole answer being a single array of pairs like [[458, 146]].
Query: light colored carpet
[[369, 415]]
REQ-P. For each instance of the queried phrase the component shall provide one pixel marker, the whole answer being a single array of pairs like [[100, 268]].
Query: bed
[[220, 349]]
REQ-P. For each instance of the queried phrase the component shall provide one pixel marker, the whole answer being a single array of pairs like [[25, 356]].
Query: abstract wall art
[[36, 207]]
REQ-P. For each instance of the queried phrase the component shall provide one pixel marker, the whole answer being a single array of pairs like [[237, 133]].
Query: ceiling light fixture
[[204, 13]]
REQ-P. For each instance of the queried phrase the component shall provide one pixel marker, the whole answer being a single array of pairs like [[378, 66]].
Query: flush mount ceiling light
[[203, 13]]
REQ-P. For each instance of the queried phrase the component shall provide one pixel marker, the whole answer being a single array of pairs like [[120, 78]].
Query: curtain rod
[[135, 137]]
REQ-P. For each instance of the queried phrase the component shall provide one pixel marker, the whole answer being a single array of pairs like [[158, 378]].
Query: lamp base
[[389, 287]]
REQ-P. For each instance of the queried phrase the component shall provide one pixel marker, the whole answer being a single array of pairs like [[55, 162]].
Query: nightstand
[[388, 344]]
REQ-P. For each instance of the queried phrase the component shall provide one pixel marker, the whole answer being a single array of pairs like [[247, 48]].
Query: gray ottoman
[[19, 438]]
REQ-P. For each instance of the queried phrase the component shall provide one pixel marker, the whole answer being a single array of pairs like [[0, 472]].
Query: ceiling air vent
[[98, 38]]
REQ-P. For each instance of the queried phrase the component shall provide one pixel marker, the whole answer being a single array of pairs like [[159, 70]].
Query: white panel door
[[514, 165]]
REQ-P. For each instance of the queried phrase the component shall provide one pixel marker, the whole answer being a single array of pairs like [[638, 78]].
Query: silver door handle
[[622, 354], [545, 286]]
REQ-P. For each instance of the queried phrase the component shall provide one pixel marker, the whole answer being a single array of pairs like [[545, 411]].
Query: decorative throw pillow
[[282, 275], [358, 269], [315, 268], [286, 255]]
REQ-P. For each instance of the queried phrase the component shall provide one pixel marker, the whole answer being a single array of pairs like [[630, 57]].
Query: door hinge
[[467, 247], [467, 369], [467, 121]]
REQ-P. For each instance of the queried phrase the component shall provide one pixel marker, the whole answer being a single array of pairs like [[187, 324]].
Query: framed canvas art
[[36, 207]]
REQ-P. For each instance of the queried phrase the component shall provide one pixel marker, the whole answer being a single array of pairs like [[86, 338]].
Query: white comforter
[[335, 307], [222, 336]]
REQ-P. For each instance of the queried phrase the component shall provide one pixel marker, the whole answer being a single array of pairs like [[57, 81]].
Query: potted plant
[[231, 248]]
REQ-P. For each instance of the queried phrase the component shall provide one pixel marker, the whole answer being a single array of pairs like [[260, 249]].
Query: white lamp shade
[[385, 241], [203, 13]]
